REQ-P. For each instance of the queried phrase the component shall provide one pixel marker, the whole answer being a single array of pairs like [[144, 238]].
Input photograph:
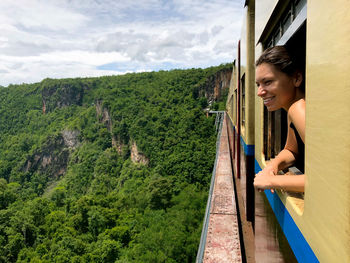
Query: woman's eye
[[268, 82]]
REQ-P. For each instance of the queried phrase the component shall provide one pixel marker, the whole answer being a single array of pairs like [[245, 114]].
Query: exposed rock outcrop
[[136, 156], [63, 94], [52, 158], [215, 86], [104, 116], [71, 138], [117, 144]]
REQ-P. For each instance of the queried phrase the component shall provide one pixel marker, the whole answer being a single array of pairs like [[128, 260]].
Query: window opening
[[289, 15], [243, 99], [235, 110], [265, 135], [275, 123], [298, 6]]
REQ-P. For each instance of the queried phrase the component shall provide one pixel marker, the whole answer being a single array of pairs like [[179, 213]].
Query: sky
[[86, 38]]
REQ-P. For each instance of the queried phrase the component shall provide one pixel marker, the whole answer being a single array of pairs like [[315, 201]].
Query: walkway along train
[[282, 226]]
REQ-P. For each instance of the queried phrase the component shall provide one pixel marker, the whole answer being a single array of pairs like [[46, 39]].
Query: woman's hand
[[264, 179]]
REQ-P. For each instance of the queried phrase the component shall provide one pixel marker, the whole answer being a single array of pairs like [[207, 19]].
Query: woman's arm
[[266, 178], [284, 159], [294, 183]]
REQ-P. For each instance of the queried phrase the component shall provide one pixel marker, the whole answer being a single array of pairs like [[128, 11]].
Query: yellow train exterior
[[315, 225]]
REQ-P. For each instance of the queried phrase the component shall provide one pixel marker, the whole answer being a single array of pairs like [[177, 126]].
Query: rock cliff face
[[53, 156], [61, 95], [104, 116], [71, 138], [136, 156], [216, 85]]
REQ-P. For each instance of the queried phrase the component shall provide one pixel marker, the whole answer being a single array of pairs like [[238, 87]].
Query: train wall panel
[[250, 74], [259, 120], [264, 9], [321, 225], [243, 46], [231, 137], [247, 178], [327, 148]]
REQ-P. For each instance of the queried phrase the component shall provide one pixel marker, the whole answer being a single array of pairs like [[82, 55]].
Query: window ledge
[[293, 200]]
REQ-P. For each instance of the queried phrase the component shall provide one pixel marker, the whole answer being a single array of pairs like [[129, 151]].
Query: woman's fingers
[[262, 181]]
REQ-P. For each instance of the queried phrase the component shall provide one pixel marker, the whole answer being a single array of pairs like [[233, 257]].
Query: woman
[[279, 84]]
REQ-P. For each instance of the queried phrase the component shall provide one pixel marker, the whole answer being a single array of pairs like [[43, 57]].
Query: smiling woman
[[279, 84]]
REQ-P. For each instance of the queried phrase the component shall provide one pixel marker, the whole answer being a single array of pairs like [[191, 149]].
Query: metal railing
[[218, 124]]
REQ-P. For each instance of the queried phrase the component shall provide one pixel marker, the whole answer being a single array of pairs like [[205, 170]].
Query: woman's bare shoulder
[[297, 108]]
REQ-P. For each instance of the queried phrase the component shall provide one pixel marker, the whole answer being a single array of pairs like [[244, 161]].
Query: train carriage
[[289, 227]]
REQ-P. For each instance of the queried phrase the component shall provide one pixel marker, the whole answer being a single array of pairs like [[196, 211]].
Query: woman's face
[[276, 88]]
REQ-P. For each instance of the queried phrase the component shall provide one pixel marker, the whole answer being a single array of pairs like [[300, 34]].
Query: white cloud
[[40, 15], [72, 38]]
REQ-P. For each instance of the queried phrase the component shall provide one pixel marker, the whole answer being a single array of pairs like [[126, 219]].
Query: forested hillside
[[108, 169]]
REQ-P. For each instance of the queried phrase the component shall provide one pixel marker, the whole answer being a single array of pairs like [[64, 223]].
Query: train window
[[287, 21], [243, 99], [275, 123], [235, 109], [277, 35], [275, 132], [266, 151], [290, 14], [298, 6]]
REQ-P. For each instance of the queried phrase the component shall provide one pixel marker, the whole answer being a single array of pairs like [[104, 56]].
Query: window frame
[[243, 101], [274, 123]]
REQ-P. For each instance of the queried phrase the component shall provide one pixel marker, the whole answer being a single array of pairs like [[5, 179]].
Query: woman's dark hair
[[280, 58]]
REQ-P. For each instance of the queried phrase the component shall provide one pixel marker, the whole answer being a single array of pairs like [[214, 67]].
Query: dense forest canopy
[[108, 169]]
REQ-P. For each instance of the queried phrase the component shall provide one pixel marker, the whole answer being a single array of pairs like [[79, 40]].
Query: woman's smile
[[268, 101]]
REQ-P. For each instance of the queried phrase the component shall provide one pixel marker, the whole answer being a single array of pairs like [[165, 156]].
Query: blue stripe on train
[[248, 148], [296, 240]]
